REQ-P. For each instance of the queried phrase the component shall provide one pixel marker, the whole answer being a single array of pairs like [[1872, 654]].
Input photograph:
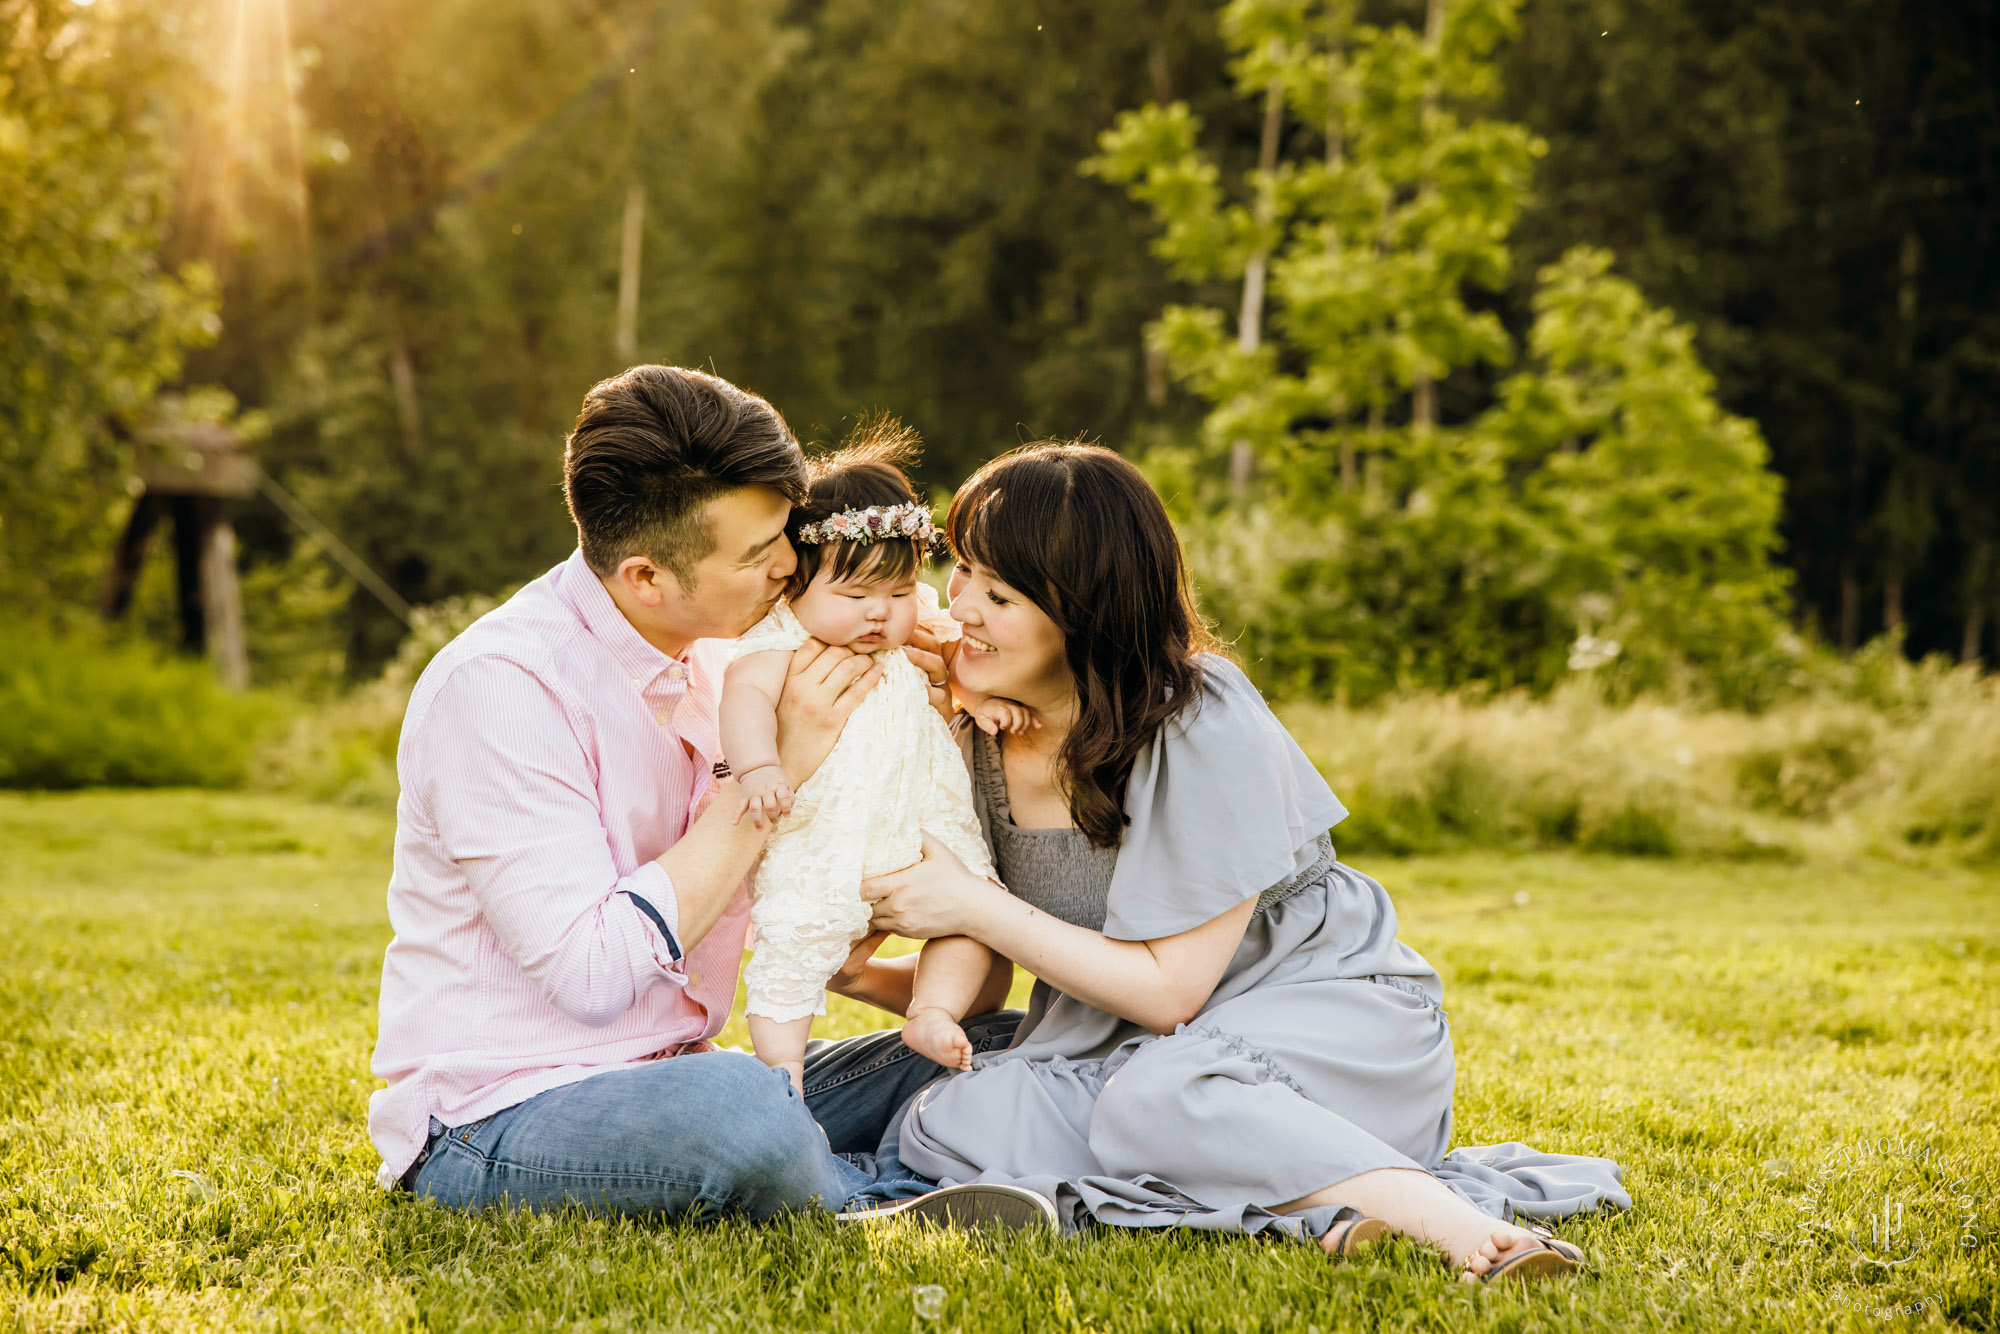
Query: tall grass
[[1872, 753], [1879, 755]]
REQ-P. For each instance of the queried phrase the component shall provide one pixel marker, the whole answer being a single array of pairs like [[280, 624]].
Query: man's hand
[[886, 984], [823, 687], [857, 962]]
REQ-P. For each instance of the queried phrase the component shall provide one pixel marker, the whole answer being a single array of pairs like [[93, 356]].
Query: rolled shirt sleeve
[[509, 790]]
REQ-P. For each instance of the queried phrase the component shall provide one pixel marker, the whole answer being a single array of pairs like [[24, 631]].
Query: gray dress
[[1323, 1053]]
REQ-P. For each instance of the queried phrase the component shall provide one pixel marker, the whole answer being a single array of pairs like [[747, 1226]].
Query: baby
[[894, 772]]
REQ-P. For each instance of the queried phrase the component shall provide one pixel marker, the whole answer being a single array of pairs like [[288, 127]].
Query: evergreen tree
[[909, 231], [1372, 512], [1812, 186]]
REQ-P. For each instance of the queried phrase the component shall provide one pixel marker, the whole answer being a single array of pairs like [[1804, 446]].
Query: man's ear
[[648, 584]]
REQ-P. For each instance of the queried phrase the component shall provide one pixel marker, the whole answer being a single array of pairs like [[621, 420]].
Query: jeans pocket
[[469, 1132]]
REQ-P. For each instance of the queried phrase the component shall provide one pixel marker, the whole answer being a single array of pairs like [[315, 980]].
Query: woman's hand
[[931, 656], [935, 897]]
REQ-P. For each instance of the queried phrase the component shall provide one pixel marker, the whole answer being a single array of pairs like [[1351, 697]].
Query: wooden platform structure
[[191, 472]]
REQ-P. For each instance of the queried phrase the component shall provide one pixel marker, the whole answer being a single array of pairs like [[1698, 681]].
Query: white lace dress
[[894, 772]]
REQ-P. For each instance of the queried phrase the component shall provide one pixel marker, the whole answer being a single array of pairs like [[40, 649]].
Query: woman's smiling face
[[1011, 649]]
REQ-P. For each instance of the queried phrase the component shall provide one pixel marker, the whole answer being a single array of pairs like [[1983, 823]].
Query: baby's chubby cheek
[[826, 623]]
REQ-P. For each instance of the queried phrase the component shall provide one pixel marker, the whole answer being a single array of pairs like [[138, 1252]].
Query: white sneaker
[[1006, 1208]]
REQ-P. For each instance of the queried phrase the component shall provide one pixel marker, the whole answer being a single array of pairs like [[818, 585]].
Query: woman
[[1225, 1032]]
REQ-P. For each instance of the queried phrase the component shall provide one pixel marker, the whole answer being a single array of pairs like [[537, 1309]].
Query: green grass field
[[1776, 1053]]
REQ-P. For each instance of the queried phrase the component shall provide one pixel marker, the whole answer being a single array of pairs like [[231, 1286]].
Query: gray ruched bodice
[[1056, 870]]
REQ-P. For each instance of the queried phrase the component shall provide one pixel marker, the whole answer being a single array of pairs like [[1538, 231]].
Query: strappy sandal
[[1550, 1257], [1349, 1237]]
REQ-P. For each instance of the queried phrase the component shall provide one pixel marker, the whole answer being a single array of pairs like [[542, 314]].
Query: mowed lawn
[[1782, 1057]]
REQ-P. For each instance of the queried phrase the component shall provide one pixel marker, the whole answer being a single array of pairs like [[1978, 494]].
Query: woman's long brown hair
[[1078, 531]]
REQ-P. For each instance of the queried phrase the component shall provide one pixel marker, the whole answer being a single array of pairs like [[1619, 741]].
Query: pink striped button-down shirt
[[548, 756]]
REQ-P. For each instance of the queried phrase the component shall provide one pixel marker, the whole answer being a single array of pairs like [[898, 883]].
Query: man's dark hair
[[653, 446]]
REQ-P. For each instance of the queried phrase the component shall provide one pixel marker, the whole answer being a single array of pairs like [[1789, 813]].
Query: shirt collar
[[585, 593]]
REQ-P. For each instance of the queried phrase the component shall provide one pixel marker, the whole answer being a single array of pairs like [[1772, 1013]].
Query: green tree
[[907, 230], [1372, 509], [91, 322], [1810, 186], [481, 192]]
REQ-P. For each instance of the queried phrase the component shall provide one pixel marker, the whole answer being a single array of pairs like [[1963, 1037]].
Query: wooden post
[[191, 472], [186, 510], [221, 605]]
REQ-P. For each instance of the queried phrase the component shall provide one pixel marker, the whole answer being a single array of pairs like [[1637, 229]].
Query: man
[[568, 893]]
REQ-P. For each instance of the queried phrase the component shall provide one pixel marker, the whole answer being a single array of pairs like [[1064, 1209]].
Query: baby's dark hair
[[866, 470]]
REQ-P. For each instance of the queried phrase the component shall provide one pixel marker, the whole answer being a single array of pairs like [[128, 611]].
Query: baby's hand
[[933, 1033], [767, 795], [995, 715]]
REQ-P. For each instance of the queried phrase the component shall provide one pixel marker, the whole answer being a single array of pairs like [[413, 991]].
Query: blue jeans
[[700, 1136]]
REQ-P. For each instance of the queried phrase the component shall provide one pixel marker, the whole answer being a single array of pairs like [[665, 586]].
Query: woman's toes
[[1497, 1245]]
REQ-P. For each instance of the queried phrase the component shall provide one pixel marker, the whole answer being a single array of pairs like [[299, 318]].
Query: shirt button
[[661, 716], [694, 979], [677, 673]]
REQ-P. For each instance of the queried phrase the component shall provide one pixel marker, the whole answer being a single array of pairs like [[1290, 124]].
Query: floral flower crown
[[877, 523]]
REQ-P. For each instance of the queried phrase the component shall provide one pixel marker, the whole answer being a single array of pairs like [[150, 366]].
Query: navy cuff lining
[[673, 946]]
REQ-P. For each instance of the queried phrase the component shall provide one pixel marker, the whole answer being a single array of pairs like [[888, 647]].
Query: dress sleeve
[[779, 629], [1223, 806]]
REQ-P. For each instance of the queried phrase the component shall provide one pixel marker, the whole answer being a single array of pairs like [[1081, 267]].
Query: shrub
[[83, 712], [1876, 753]]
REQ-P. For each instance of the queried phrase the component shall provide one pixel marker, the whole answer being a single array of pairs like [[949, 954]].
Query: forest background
[[1503, 364]]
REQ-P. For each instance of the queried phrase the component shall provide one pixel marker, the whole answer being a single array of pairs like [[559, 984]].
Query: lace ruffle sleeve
[[778, 630]]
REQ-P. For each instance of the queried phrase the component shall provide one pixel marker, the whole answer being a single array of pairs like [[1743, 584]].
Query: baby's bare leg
[[782, 1045], [950, 974]]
